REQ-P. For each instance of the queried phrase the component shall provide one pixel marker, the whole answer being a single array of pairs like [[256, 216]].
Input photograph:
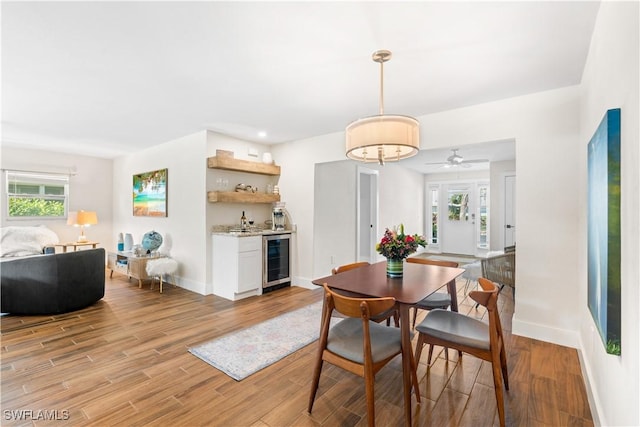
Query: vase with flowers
[[396, 246]]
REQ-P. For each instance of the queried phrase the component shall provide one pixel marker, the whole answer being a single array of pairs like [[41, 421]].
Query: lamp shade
[[87, 218], [382, 138], [82, 218]]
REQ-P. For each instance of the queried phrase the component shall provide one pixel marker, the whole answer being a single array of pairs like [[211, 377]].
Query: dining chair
[[357, 344], [383, 316], [347, 267], [437, 299], [470, 335]]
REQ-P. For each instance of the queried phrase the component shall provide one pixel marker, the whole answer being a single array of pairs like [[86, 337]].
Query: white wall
[[610, 80], [184, 229], [400, 199], [541, 124], [90, 188]]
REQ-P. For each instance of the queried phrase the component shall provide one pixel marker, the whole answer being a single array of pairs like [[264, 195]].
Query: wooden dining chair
[[470, 335], [357, 344], [383, 316], [347, 267], [437, 299]]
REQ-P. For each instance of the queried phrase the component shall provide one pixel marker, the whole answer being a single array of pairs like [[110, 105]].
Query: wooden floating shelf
[[241, 197], [229, 163]]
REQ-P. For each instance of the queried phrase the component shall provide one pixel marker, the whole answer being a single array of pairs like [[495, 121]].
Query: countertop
[[250, 233]]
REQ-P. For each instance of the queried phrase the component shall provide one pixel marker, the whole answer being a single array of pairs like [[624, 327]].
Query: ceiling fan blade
[[475, 161], [436, 163]]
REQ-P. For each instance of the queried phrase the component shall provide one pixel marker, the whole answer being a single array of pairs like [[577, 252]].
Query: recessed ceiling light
[[262, 134]]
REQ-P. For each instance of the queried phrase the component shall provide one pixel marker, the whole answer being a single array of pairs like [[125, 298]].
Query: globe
[[151, 241]]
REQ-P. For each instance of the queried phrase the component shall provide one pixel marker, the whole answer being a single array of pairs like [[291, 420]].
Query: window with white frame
[[36, 195], [483, 213], [434, 214]]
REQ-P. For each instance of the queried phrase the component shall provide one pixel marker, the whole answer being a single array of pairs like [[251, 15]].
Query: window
[[483, 241], [434, 215], [36, 195], [458, 205]]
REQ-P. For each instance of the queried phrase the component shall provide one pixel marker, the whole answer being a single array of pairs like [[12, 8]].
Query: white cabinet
[[237, 266]]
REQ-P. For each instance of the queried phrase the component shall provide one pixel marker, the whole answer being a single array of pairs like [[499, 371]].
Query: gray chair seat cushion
[[435, 300], [345, 339], [456, 327]]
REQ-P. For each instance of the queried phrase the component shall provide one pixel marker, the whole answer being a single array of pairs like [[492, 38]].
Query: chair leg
[[415, 315], [161, 283], [419, 347], [503, 365], [316, 381], [414, 377], [370, 394], [430, 354], [497, 382]]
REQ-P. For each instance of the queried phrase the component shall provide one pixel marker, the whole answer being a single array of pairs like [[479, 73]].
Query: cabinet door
[[249, 271]]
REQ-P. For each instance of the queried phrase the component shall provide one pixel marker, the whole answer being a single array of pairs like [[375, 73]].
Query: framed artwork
[[150, 193], [604, 230]]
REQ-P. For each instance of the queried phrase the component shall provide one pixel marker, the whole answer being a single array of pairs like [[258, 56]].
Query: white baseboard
[[303, 282], [546, 333], [587, 374]]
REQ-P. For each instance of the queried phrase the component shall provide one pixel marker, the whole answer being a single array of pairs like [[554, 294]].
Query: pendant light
[[384, 137]]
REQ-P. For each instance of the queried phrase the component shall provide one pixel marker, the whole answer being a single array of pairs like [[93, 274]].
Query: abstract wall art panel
[[604, 230], [150, 193]]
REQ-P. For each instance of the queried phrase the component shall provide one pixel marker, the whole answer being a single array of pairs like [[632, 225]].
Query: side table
[[130, 264], [75, 245]]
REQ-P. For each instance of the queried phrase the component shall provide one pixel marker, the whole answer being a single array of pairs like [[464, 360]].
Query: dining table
[[417, 282]]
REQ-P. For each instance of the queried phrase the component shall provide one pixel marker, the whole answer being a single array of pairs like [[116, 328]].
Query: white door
[[458, 219], [509, 210], [367, 214]]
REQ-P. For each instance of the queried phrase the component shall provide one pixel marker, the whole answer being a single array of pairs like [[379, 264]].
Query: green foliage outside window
[[25, 207]]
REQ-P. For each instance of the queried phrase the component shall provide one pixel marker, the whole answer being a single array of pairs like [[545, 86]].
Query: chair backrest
[[364, 308], [347, 267], [438, 262], [488, 297]]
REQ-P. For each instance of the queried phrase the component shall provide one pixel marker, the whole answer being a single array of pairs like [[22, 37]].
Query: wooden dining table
[[418, 282]]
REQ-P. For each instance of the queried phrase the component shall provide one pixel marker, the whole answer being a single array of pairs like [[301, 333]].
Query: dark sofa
[[51, 284]]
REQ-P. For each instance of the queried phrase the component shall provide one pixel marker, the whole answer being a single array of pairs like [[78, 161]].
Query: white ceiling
[[106, 78]]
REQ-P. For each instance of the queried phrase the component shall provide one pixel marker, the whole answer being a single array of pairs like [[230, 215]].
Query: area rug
[[245, 352]]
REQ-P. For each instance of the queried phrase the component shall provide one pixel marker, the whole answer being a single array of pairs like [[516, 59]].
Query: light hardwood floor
[[124, 361]]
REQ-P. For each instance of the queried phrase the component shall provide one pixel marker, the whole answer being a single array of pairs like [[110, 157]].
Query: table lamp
[[82, 219]]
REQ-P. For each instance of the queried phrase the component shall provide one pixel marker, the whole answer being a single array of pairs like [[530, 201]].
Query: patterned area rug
[[245, 352]]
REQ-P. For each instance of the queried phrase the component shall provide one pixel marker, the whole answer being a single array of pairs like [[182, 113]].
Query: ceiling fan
[[456, 160]]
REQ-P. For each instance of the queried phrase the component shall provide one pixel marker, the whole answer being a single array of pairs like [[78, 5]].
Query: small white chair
[[161, 266], [472, 272]]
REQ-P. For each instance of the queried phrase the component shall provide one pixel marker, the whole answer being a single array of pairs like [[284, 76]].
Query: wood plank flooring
[[124, 361]]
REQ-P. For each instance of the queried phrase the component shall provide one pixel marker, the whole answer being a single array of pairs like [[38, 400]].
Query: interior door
[[458, 219], [509, 210], [367, 214]]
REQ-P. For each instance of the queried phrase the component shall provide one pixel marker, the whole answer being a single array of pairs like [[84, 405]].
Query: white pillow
[[22, 241]]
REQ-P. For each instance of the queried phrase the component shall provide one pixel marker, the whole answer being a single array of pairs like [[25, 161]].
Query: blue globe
[[151, 241]]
